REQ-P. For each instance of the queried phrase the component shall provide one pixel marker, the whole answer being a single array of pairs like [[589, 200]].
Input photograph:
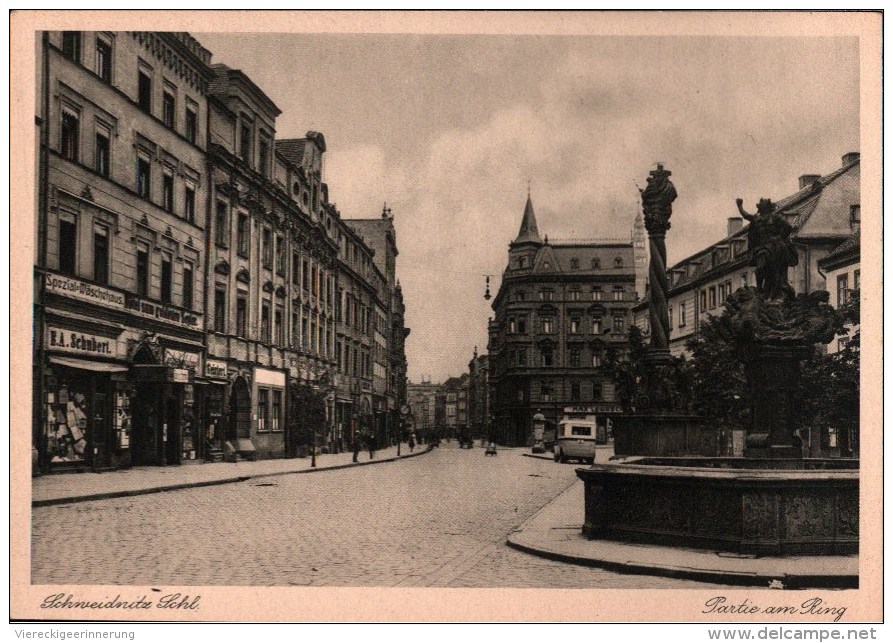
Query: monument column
[[657, 200]]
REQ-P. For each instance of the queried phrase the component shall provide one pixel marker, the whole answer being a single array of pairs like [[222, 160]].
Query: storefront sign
[[268, 377], [593, 409], [77, 289], [160, 373], [181, 359], [165, 313], [70, 341], [216, 368], [117, 300]]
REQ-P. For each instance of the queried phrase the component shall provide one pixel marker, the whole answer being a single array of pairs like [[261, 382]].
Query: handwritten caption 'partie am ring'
[[813, 606], [175, 601]]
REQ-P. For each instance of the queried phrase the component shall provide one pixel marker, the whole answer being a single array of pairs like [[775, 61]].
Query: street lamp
[[356, 389]]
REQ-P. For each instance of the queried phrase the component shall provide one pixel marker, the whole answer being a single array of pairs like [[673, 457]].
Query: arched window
[[618, 262], [596, 264], [575, 264]]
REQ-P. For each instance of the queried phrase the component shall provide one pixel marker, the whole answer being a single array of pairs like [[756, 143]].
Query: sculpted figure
[[771, 249], [657, 198]]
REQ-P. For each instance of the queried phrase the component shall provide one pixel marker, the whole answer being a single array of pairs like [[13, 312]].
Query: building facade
[[559, 308], [479, 396], [358, 301], [422, 400], [843, 274], [272, 266], [824, 213], [119, 291], [190, 271], [389, 357]]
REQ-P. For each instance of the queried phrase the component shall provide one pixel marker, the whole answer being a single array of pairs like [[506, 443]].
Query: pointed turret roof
[[528, 232]]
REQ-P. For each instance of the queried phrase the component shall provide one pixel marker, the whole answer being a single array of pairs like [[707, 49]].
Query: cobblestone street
[[439, 520]]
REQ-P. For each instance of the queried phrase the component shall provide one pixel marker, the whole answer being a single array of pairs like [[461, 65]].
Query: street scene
[[454, 311], [437, 520]]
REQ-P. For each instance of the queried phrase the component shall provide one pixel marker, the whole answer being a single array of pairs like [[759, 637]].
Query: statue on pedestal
[[771, 249]]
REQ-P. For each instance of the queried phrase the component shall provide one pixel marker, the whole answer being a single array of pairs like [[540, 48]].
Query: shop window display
[[67, 419]]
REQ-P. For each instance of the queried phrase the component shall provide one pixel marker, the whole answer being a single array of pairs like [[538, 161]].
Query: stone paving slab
[[81, 487], [555, 532]]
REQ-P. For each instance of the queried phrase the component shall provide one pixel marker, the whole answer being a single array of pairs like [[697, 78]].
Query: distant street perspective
[[437, 520]]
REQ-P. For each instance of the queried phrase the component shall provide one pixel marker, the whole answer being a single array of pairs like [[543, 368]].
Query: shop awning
[[86, 365]]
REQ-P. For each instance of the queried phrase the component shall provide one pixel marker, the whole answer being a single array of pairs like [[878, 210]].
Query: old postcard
[[364, 316]]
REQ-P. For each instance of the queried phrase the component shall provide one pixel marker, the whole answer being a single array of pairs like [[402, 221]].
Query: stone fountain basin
[[765, 507]]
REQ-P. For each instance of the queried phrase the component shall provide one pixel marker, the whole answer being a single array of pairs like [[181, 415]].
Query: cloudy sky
[[449, 129]]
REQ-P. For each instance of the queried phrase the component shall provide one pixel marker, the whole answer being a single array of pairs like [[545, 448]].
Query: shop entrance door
[[101, 429], [172, 430], [239, 425], [146, 418]]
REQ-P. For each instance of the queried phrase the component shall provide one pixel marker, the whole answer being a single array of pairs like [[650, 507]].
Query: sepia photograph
[[342, 306]]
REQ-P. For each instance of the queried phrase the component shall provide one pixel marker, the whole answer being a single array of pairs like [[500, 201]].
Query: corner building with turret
[[559, 309]]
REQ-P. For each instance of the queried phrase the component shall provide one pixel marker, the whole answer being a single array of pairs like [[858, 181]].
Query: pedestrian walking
[[411, 442], [371, 445]]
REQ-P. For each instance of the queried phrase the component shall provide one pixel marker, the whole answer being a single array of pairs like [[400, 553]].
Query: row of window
[[353, 360], [70, 148], [101, 251], [597, 294], [594, 263], [103, 66], [313, 334], [313, 279], [575, 325], [716, 295], [596, 392], [546, 357]]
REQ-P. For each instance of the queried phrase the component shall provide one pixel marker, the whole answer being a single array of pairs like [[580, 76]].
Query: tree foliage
[[830, 384], [307, 413]]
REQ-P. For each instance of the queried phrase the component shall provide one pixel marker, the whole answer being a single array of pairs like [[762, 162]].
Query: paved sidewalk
[[555, 532], [80, 487]]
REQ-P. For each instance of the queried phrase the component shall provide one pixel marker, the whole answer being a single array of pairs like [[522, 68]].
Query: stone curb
[[534, 538], [125, 493], [727, 577]]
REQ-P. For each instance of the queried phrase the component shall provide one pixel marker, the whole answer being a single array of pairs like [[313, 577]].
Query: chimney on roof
[[808, 179], [734, 225], [850, 157]]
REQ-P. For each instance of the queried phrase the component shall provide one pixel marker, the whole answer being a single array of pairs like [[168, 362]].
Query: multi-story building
[[559, 308], [389, 357], [824, 213], [120, 248], [187, 266], [422, 400], [272, 252], [359, 285], [455, 395], [478, 395]]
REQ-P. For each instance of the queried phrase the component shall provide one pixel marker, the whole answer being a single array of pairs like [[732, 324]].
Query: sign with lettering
[[593, 409], [180, 375], [77, 289], [216, 368], [69, 341], [181, 359], [117, 300], [162, 312]]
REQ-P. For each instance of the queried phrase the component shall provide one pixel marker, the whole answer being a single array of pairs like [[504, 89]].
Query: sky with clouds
[[449, 129]]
